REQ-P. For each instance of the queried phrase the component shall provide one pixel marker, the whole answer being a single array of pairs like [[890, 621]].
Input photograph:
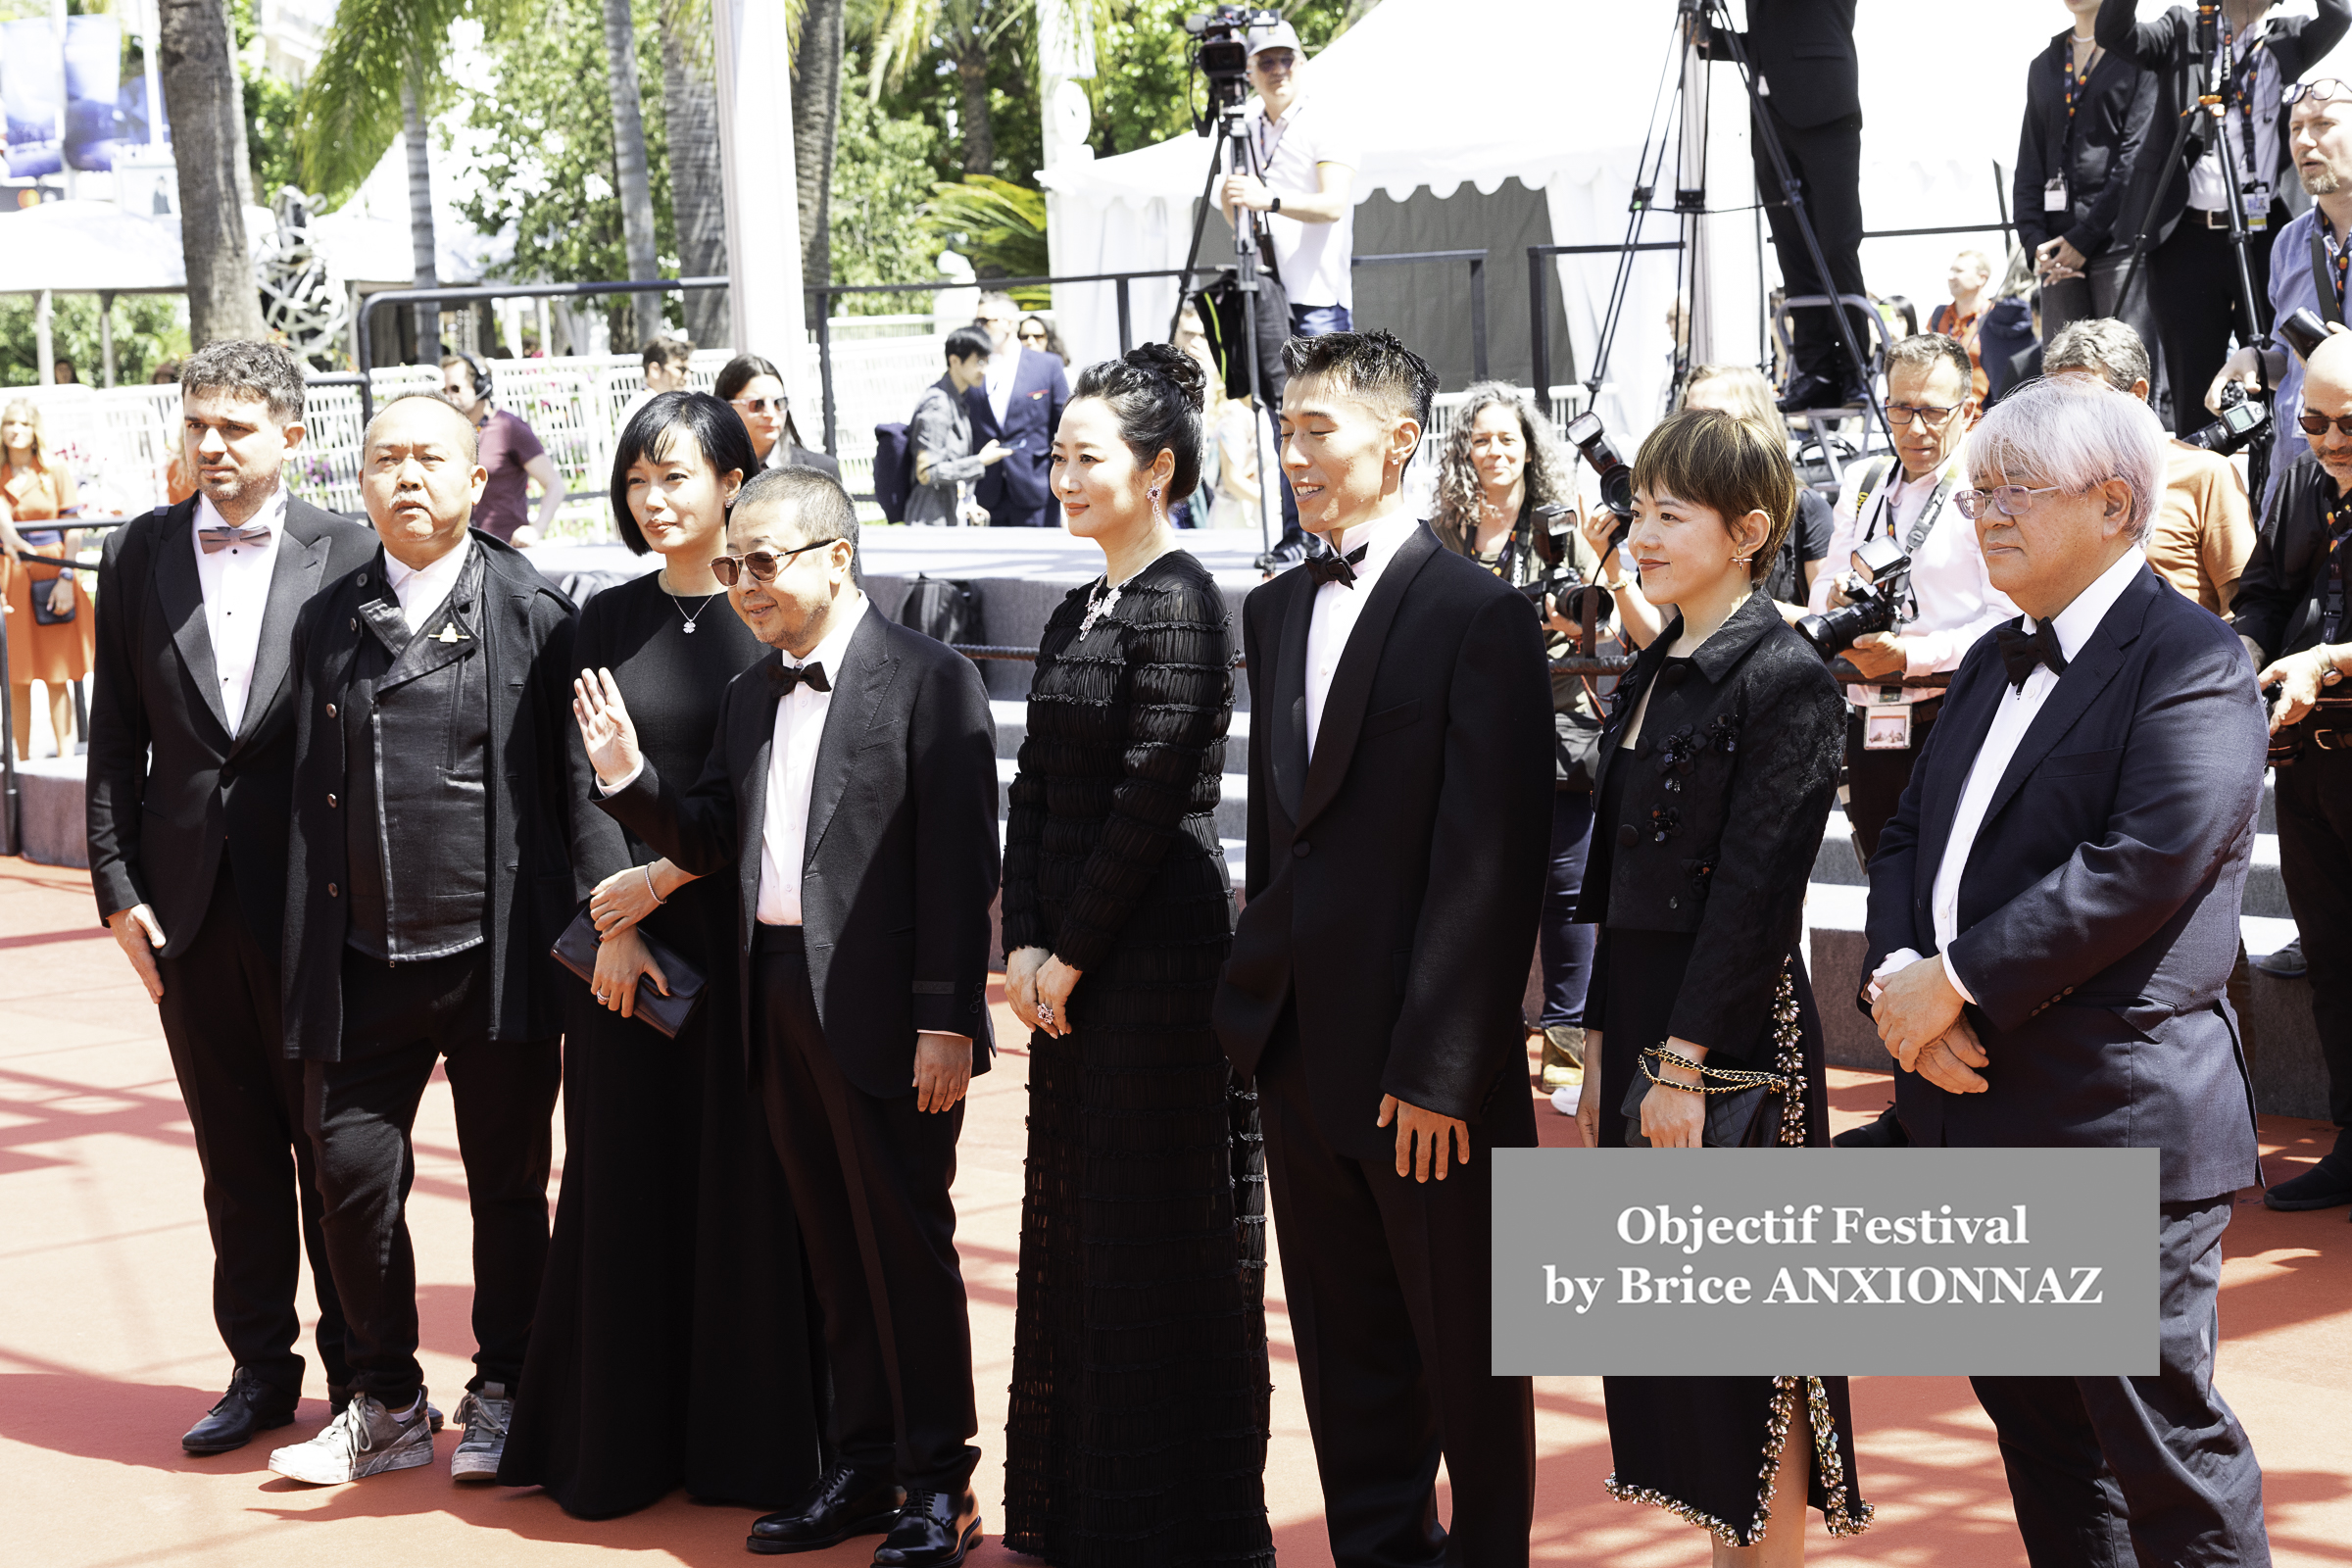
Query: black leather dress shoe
[[934, 1531], [846, 1502], [1886, 1132], [249, 1406], [2323, 1186]]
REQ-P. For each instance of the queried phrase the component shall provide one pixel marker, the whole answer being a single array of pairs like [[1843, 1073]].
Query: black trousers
[[220, 1015], [399, 1021], [2150, 1471], [2192, 286], [2099, 291], [1389, 1293], [1876, 780], [1827, 161], [869, 1179], [2315, 861]]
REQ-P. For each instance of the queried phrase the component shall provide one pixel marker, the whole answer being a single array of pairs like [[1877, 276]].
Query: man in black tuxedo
[[1400, 772], [852, 793], [2053, 917], [1018, 405], [431, 872], [191, 771]]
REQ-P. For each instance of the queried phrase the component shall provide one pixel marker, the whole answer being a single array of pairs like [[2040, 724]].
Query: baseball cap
[[1281, 35]]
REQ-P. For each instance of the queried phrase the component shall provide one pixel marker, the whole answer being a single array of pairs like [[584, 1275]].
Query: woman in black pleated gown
[[1718, 765], [1138, 1425], [672, 1344]]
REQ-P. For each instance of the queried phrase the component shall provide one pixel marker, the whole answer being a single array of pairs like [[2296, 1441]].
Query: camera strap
[[2328, 262], [1922, 525]]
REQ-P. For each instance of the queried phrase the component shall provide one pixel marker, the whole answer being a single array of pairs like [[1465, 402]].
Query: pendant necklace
[[679, 606], [1097, 605]]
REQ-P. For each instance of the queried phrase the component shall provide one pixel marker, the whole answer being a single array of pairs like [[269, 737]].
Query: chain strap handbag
[[1745, 1109]]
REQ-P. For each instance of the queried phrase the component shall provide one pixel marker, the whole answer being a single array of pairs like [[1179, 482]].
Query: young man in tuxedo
[[1400, 774], [429, 874], [191, 773], [2053, 916], [1018, 405], [852, 793]]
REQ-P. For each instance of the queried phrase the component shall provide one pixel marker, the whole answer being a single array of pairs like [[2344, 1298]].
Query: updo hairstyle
[[1158, 391]]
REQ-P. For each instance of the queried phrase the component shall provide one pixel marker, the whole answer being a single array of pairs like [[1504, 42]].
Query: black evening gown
[[672, 1344], [1707, 1448], [1139, 1417]]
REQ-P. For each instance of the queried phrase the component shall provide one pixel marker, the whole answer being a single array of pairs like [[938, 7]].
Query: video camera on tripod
[[1222, 57]]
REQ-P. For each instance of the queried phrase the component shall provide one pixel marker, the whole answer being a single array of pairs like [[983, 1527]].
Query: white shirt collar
[[1382, 538], [836, 646], [273, 513], [2078, 620], [439, 575]]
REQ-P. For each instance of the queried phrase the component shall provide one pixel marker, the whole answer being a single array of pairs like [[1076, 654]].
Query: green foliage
[[350, 108], [271, 108], [148, 329], [999, 226], [549, 166], [882, 167], [1144, 91]]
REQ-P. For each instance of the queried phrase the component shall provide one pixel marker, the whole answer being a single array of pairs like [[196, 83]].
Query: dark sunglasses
[[1037, 332], [757, 404], [2316, 426], [761, 563]]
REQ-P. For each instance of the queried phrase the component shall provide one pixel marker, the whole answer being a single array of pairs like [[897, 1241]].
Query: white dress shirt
[[235, 583], [1337, 607], [1003, 367], [1957, 601], [2250, 64], [2019, 707], [791, 770], [421, 588]]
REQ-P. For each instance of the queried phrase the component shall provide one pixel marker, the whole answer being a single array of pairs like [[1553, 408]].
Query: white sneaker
[[364, 1439], [485, 1415], [1564, 1101]]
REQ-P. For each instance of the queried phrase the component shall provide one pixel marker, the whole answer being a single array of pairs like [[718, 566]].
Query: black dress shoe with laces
[[934, 1531], [846, 1502], [249, 1406]]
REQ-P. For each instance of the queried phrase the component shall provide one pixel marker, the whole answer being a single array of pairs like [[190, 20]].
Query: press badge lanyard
[[2328, 264], [1892, 731], [2053, 190], [2239, 74]]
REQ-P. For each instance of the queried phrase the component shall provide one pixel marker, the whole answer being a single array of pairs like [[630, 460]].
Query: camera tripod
[[1232, 154], [1695, 24]]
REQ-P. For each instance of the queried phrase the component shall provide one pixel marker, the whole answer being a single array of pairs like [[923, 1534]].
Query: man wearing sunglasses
[[1017, 406], [851, 791], [2291, 610]]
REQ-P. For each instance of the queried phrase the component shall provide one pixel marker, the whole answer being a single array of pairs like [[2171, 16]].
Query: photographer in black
[[2291, 612]]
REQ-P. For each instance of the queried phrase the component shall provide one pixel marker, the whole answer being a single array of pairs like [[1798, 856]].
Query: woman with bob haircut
[[671, 1345], [1718, 765], [1741, 391]]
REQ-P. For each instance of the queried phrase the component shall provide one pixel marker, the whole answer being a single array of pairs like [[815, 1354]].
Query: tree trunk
[[979, 130], [421, 246], [236, 91], [698, 207], [209, 138], [815, 120], [628, 165]]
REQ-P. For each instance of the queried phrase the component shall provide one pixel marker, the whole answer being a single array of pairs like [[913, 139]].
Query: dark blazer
[[789, 454], [900, 870], [1805, 50], [1722, 815], [2114, 121], [2281, 596], [525, 628], [1395, 884], [2163, 46], [1016, 486], [2099, 912], [168, 785]]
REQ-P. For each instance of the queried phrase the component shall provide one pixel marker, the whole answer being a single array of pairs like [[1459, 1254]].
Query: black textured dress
[[1139, 1417], [672, 1344]]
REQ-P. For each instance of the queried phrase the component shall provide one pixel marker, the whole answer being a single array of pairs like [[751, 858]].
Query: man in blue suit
[[2053, 915], [1019, 403]]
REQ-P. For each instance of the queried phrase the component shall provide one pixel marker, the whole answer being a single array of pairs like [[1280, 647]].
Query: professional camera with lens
[[1616, 474], [1222, 55], [1875, 605], [1561, 581], [2243, 420]]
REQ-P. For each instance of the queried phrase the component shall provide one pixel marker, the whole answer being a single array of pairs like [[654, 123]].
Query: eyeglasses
[[761, 563], [1035, 334], [1904, 413], [757, 405], [2325, 87], [2315, 425], [2009, 500]]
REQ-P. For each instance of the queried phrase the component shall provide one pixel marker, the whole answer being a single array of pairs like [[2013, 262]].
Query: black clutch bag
[[1746, 1109], [53, 601], [575, 950]]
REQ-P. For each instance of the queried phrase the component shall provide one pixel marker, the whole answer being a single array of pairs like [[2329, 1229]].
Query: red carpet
[[107, 1350]]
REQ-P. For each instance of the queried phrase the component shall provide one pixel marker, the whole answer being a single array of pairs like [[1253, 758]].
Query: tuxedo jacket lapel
[[1352, 683], [849, 721], [1286, 750], [181, 594], [2086, 677], [302, 556], [755, 738]]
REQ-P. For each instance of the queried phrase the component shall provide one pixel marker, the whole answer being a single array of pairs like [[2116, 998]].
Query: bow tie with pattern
[[2021, 650], [784, 677], [215, 540], [1329, 565]]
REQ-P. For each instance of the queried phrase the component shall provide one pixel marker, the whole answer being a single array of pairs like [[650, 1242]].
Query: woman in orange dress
[[35, 488]]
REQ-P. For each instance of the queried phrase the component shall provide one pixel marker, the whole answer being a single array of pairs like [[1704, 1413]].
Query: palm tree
[[968, 30], [208, 132], [697, 194], [816, 123], [629, 163]]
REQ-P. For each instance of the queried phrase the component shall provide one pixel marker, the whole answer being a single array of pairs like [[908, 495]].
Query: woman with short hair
[[1740, 390]]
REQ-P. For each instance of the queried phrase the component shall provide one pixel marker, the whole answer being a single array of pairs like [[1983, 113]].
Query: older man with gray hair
[[2053, 916]]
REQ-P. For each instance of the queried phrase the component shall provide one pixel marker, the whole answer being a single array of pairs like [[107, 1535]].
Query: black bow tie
[[1329, 565], [784, 677], [2021, 650]]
